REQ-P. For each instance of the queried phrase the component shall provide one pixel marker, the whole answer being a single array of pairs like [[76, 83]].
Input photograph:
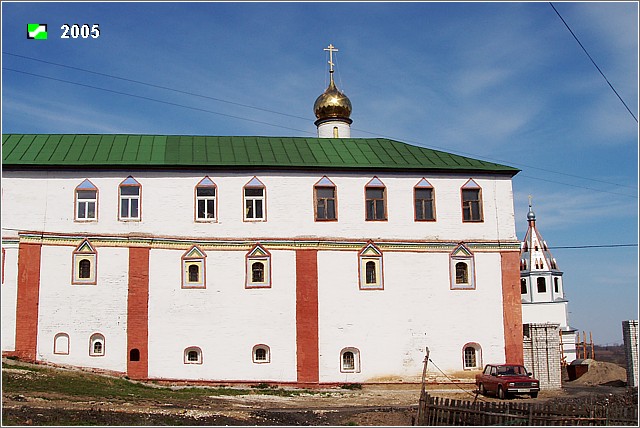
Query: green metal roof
[[187, 151]]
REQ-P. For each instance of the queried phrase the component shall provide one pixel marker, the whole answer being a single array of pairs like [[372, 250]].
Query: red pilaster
[[307, 316], [27, 300], [512, 307], [138, 312]]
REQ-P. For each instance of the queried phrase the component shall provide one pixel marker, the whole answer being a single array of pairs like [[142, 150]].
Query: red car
[[507, 379]]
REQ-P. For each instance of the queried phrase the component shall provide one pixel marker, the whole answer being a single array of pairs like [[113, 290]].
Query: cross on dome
[[331, 50]]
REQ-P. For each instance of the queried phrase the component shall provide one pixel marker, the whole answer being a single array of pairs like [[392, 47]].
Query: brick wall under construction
[[541, 345]]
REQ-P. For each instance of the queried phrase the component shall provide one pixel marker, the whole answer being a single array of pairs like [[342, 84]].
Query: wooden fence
[[437, 411]]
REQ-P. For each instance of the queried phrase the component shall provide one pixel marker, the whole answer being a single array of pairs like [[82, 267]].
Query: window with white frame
[[193, 355], [86, 201], [130, 197], [254, 201], [350, 360], [193, 268], [462, 268], [471, 355], [258, 270], [206, 200], [61, 344], [261, 354], [96, 345], [325, 200], [370, 268], [423, 201], [375, 200], [471, 194], [85, 258]]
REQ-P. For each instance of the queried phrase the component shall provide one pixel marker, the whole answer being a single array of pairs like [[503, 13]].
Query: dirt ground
[[373, 405]]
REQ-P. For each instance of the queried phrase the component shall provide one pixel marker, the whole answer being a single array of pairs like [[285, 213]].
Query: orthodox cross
[[331, 49], [530, 197]]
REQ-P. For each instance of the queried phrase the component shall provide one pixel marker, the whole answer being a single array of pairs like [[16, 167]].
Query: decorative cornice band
[[245, 244]]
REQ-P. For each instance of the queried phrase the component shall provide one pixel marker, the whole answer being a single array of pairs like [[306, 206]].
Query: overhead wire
[[594, 63], [305, 118], [280, 113], [154, 100]]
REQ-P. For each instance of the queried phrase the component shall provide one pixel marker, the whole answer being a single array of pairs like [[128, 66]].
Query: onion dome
[[332, 104]]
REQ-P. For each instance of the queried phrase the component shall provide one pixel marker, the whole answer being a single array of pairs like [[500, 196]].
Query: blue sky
[[504, 82]]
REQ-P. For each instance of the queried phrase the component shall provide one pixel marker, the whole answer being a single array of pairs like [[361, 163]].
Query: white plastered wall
[[392, 328], [9, 296], [167, 207], [82, 310], [225, 320]]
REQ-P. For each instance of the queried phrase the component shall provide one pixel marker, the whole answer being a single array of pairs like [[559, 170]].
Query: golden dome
[[332, 104]]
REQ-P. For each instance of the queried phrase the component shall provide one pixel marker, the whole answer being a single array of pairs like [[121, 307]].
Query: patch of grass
[[351, 386], [92, 386]]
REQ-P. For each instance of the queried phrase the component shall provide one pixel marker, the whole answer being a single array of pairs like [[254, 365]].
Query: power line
[[155, 100], [594, 246], [580, 187], [302, 118], [594, 63], [155, 86]]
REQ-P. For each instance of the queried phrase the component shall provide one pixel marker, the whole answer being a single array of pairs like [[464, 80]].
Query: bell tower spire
[[333, 108]]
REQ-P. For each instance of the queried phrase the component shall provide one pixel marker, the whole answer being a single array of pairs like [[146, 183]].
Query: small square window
[[261, 354], [193, 355]]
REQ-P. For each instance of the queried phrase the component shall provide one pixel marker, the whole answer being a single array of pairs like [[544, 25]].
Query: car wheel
[[501, 394], [534, 394], [482, 390]]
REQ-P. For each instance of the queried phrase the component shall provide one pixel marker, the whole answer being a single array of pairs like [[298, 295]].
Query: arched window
[[194, 273], [542, 285], [370, 268], [61, 344], [96, 345], [371, 272], [556, 285], [350, 360], [134, 355], [193, 268], [261, 354], [257, 272], [462, 273], [193, 355], [523, 286], [84, 264], [335, 132], [85, 269], [471, 356]]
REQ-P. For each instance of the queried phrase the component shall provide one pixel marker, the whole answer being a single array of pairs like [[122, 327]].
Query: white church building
[[303, 261], [542, 288]]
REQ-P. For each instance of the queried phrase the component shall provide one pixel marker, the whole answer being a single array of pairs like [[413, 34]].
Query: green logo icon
[[37, 31]]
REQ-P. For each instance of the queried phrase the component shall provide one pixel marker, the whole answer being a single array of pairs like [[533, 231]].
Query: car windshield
[[511, 371]]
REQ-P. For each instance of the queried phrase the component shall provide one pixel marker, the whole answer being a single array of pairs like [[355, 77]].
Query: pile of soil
[[602, 373]]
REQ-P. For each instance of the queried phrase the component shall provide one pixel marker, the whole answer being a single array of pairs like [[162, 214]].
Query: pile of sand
[[600, 373]]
